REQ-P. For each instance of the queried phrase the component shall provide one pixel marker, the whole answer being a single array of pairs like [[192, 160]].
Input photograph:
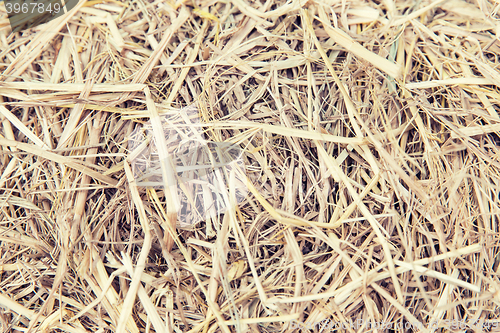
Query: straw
[[369, 164]]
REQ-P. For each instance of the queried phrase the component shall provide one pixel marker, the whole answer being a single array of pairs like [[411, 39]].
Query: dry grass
[[370, 134]]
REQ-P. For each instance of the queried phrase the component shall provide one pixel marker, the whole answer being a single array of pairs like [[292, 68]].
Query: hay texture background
[[370, 133]]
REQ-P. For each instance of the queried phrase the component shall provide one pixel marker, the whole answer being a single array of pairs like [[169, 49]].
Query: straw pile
[[370, 133]]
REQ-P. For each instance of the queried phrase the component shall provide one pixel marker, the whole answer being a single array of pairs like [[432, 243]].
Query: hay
[[369, 131]]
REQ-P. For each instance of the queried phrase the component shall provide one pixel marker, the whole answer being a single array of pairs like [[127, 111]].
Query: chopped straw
[[369, 132]]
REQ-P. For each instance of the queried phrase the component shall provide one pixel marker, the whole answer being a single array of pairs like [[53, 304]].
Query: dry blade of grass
[[167, 171], [129, 300]]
